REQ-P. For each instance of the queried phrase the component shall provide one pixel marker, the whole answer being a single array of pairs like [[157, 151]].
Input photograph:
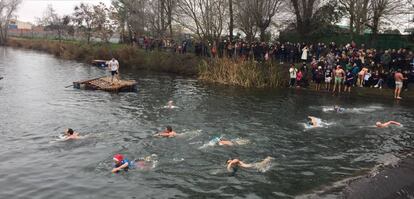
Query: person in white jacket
[[305, 51]]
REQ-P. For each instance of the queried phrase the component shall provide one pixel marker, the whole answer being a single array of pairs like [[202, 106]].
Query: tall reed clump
[[128, 56], [248, 74]]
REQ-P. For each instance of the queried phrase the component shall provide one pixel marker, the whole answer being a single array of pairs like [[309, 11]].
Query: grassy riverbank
[[225, 71], [248, 74], [128, 56]]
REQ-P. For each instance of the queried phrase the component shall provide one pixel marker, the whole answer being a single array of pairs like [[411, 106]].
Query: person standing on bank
[[339, 78], [292, 74], [113, 66], [399, 78]]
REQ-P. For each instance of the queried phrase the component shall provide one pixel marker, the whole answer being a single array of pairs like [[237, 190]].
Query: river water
[[36, 108]]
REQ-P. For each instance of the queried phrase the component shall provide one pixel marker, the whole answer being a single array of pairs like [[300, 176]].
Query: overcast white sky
[[29, 10]]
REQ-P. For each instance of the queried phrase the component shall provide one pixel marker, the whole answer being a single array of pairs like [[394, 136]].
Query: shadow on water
[[36, 108]]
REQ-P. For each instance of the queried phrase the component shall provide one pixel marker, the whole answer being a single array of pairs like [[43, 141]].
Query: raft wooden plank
[[104, 83]]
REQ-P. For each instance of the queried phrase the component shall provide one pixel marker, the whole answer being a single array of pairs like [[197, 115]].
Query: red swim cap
[[118, 157]]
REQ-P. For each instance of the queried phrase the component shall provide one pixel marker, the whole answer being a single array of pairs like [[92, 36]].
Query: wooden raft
[[104, 84]]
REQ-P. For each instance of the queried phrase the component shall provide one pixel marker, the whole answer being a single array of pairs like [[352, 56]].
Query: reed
[[248, 74]]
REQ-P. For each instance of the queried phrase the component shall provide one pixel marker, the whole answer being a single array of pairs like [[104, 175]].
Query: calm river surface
[[36, 108]]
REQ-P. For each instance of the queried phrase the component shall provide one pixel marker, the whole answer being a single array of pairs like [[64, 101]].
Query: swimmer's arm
[[120, 167], [162, 134], [229, 167], [172, 134], [230, 164], [394, 122], [244, 165]]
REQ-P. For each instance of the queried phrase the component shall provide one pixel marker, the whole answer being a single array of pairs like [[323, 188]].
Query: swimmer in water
[[338, 109], [234, 164], [314, 121], [225, 142], [170, 104], [386, 124], [169, 133], [121, 163], [71, 135]]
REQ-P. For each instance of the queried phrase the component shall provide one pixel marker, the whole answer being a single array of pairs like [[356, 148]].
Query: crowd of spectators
[[362, 66]]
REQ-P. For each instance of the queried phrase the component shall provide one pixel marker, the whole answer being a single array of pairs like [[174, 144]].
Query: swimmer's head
[[229, 160], [169, 128], [378, 124], [310, 122], [170, 102], [69, 131], [118, 158]]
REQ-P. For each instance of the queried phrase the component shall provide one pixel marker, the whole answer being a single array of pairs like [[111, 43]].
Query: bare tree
[[304, 10], [136, 17], [263, 12], [170, 8], [383, 9], [120, 14], [7, 9], [52, 21], [103, 24], [160, 16], [357, 13], [245, 19], [231, 22], [206, 18], [361, 15], [84, 18]]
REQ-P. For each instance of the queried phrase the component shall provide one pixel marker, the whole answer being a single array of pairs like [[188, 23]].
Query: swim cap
[[118, 157]]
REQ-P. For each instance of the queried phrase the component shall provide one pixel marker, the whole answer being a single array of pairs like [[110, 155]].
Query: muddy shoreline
[[392, 181]]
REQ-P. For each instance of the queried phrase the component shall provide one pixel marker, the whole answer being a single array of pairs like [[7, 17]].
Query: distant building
[[19, 25]]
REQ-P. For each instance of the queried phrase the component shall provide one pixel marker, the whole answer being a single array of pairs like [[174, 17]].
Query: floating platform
[[104, 84]]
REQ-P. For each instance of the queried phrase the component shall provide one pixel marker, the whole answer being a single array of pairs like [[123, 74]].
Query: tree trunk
[[231, 25], [351, 25], [122, 34], [130, 36], [262, 33]]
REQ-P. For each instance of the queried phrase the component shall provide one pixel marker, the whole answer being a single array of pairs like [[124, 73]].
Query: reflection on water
[[36, 107]]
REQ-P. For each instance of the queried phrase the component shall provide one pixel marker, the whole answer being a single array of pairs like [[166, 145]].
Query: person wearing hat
[[318, 77], [121, 163], [349, 80]]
